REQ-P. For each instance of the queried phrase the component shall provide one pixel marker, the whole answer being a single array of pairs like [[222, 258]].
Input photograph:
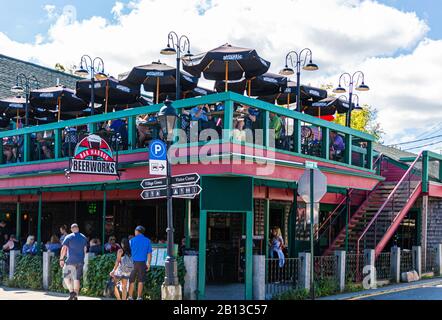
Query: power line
[[430, 130], [414, 141], [423, 146]]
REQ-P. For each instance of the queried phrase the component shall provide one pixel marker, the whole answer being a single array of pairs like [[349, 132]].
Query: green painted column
[[325, 143], [425, 166], [348, 148], [57, 144], [1, 153], [440, 171], [266, 232], [132, 133], [27, 147], [249, 256], [228, 119], [369, 155], [202, 255], [297, 135], [265, 128], [103, 225], [292, 226], [18, 220], [39, 221], [187, 222]]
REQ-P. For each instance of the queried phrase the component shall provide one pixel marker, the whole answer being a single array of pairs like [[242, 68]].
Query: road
[[426, 293], [22, 294]]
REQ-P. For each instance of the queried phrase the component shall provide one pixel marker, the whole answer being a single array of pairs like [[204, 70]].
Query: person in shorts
[[122, 269], [74, 247], [141, 249]]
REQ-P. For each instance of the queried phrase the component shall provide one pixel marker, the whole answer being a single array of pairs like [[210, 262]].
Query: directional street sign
[[187, 192], [154, 194], [154, 183], [158, 158], [192, 178]]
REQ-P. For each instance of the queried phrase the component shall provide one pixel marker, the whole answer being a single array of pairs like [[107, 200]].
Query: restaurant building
[[376, 197]]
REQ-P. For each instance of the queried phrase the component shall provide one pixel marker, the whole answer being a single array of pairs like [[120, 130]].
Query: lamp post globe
[[167, 116]]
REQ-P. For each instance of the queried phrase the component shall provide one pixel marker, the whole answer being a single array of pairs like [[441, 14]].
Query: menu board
[[159, 254]]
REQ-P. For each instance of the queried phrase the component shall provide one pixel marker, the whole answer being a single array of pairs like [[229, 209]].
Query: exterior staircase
[[377, 219]]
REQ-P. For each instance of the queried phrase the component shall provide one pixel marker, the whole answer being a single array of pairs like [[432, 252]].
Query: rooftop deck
[[304, 138]]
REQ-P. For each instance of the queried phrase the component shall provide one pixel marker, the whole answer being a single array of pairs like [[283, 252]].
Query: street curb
[[388, 291]]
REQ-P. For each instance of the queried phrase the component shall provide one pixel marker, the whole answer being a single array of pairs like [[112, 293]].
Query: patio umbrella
[[226, 63], [108, 92], [13, 107], [197, 92], [327, 107], [288, 94], [266, 84], [238, 86], [159, 78], [58, 98]]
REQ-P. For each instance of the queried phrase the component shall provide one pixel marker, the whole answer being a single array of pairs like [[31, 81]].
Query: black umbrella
[[238, 86], [108, 92], [13, 107], [327, 107], [266, 84], [58, 99], [288, 95], [227, 63], [159, 78], [197, 92]]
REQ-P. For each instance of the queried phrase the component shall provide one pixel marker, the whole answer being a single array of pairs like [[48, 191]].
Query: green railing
[[358, 151]]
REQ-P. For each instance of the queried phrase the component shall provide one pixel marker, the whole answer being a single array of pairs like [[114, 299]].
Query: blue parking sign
[[157, 150]]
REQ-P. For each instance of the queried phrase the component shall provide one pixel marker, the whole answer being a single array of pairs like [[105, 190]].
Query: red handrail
[[333, 212], [387, 200]]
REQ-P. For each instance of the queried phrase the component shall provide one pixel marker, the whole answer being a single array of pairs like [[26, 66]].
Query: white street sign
[[319, 185], [158, 167]]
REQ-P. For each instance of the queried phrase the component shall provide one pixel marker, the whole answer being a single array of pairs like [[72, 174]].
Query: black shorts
[[138, 273]]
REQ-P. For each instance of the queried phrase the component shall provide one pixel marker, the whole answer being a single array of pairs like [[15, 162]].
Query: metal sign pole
[[312, 222]]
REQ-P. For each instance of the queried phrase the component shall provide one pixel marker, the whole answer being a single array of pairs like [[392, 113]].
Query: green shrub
[[28, 273], [98, 274], [3, 268], [294, 294], [56, 284]]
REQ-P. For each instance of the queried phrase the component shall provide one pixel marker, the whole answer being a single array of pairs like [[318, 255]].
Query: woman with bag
[[122, 269]]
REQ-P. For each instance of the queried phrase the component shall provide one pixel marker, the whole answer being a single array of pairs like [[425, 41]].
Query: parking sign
[[158, 158]]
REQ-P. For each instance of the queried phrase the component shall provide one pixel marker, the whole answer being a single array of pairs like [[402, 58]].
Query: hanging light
[[101, 76], [167, 117], [339, 89], [17, 89], [311, 66], [287, 71], [363, 87], [81, 72], [168, 51]]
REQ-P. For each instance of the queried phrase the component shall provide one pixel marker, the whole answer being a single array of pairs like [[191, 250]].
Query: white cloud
[[344, 35], [50, 11]]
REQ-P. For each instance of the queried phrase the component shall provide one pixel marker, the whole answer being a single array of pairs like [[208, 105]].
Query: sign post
[[312, 186]]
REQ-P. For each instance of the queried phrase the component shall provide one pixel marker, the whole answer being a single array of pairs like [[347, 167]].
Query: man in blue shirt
[[141, 249], [74, 247], [337, 146]]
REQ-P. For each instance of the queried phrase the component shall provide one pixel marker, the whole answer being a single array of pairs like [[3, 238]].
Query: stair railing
[[405, 184]]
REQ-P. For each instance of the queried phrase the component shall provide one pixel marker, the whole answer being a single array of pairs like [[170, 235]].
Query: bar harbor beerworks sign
[[93, 155]]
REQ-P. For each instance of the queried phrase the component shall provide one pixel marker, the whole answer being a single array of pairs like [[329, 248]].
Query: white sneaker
[[139, 298], [130, 298]]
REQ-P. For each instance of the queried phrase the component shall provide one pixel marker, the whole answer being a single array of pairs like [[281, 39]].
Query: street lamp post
[[177, 45], [355, 81], [167, 116], [94, 68], [24, 85], [301, 59]]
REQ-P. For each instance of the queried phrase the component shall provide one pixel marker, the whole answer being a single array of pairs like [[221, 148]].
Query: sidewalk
[[385, 290], [24, 294]]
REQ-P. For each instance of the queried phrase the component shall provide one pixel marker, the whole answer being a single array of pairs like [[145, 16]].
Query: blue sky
[[429, 10], [24, 19]]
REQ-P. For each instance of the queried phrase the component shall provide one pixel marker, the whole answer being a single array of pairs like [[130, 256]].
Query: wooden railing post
[[369, 155], [325, 143], [297, 135], [27, 147], [132, 133], [425, 166], [57, 143], [266, 128], [228, 119]]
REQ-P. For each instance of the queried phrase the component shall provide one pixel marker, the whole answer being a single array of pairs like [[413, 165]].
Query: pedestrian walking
[[74, 248], [141, 249], [122, 270]]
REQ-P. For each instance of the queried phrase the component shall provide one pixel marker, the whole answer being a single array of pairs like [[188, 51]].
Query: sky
[[396, 43]]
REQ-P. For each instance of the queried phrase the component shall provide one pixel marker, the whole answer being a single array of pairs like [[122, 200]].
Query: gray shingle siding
[[10, 68]]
